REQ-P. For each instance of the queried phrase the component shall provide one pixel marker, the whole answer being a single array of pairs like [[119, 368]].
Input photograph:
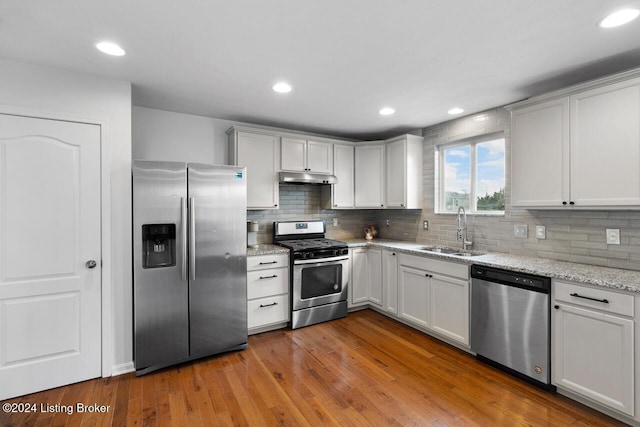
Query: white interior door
[[50, 331]]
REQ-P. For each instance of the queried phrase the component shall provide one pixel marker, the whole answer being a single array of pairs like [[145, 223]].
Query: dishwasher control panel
[[512, 278]]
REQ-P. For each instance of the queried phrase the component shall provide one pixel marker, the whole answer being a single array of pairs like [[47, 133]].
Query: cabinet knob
[[557, 307], [382, 206], [564, 203], [572, 203], [276, 205], [402, 205], [393, 253]]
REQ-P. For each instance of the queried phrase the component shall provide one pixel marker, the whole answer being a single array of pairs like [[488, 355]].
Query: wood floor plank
[[363, 370]]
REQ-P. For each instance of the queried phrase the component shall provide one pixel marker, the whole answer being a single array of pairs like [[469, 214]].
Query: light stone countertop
[[627, 280], [267, 249]]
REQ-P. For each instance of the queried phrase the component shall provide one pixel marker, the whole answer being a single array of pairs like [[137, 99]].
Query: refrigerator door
[[161, 323], [218, 258]]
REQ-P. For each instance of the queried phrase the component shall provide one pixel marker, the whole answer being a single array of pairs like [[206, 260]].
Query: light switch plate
[[335, 222], [520, 230], [541, 232], [613, 236]]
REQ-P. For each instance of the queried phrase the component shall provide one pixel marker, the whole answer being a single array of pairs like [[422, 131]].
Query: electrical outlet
[[335, 222], [541, 232], [613, 236], [520, 230], [387, 222], [425, 225]]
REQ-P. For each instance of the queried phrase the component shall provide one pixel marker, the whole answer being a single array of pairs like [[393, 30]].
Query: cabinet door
[[450, 308], [319, 157], [260, 154], [540, 154], [593, 356], [359, 277], [374, 261], [343, 162], [605, 145], [413, 296], [293, 154], [369, 172], [390, 282], [396, 174]]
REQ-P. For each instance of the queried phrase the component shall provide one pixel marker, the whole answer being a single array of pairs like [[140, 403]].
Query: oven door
[[319, 282]]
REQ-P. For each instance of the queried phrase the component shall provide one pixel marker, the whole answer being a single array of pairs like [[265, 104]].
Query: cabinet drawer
[[616, 302], [267, 261], [265, 311], [263, 283]]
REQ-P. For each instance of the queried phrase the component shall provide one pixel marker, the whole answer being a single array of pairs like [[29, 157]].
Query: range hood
[[306, 178]]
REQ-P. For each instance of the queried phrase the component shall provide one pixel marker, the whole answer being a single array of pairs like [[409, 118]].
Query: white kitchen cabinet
[[578, 148], [267, 292], [343, 168], [434, 294], [593, 344], [260, 154], [404, 172], [413, 295], [450, 307], [306, 155], [390, 281], [369, 176], [366, 276]]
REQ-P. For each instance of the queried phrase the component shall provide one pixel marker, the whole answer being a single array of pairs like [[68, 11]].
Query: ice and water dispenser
[[158, 245]]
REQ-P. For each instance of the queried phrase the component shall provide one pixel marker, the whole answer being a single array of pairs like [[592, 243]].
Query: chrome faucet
[[462, 218]]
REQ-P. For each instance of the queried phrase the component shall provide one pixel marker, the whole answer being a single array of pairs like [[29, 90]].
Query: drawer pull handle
[[268, 277], [605, 301], [268, 305], [270, 262]]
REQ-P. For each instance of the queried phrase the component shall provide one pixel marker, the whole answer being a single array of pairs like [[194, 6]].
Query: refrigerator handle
[[183, 227], [192, 238]]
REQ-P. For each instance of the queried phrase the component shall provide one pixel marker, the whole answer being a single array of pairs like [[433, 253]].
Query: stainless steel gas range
[[319, 272]]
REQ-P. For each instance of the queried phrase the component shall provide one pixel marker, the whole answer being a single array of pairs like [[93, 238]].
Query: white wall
[[61, 93], [163, 135]]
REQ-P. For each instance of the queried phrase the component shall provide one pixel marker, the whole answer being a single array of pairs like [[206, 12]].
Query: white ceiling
[[345, 58]]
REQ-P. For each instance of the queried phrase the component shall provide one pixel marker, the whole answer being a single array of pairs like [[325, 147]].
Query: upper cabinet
[[343, 168], [306, 155], [404, 172], [369, 176], [260, 154], [579, 147]]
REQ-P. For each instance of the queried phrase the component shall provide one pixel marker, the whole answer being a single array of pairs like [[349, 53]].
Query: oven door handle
[[320, 260]]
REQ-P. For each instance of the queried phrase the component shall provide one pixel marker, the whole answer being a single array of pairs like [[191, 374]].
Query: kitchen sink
[[449, 251]]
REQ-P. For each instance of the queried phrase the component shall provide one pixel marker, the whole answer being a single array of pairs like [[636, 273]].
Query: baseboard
[[123, 368]]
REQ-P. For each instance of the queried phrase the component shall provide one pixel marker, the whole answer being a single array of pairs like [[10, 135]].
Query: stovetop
[[312, 244]]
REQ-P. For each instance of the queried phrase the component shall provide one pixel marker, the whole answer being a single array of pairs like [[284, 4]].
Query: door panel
[[50, 307], [218, 289]]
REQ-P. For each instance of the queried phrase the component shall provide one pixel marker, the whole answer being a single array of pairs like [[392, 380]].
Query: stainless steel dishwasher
[[510, 322]]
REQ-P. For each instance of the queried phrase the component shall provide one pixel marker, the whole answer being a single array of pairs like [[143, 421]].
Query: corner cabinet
[[260, 154], [593, 344], [366, 276], [578, 147], [434, 295], [404, 172], [369, 176], [342, 193]]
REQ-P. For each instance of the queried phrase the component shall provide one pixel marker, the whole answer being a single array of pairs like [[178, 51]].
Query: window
[[471, 174]]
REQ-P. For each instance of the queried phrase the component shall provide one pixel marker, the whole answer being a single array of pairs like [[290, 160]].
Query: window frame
[[472, 143]]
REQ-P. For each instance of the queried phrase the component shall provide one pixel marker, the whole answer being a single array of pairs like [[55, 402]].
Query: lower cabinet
[[366, 276], [434, 295], [593, 344], [390, 281], [267, 292]]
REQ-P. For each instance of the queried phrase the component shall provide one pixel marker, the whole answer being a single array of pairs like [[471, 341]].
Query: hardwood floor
[[363, 370]]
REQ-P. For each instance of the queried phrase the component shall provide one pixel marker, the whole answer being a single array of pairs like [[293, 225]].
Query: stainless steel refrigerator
[[189, 262]]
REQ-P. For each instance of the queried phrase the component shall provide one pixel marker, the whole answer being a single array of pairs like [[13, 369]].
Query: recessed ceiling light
[[282, 87], [455, 110], [620, 17], [387, 111], [110, 48]]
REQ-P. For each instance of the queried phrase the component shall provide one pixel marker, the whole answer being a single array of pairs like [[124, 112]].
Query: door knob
[[91, 263]]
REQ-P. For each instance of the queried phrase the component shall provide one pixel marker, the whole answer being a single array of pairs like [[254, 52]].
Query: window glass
[[472, 175]]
